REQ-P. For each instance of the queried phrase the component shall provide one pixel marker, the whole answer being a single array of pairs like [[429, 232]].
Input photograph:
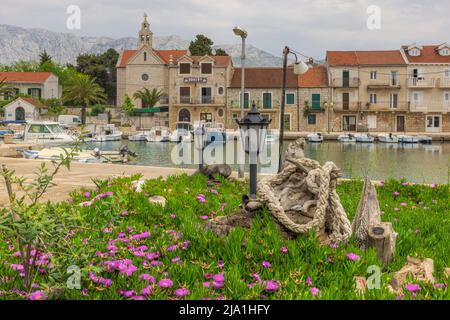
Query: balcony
[[202, 100], [186, 100], [421, 83], [381, 85], [386, 106], [345, 83], [350, 106], [429, 106], [207, 100], [444, 83]]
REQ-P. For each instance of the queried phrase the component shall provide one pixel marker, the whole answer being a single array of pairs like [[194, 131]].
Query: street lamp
[[299, 68], [243, 34], [329, 107], [253, 128], [200, 143]]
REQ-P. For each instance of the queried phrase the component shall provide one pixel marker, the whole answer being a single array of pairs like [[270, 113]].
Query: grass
[[177, 232]]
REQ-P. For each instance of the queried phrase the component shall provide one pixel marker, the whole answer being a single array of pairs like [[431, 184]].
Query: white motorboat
[[364, 138], [106, 132], [182, 133], [387, 138], [425, 139], [214, 131], [158, 134], [46, 132], [55, 154], [140, 136], [315, 137], [407, 139], [347, 138]]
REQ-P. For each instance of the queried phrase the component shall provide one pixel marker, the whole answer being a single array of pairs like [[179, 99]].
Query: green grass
[[424, 231]]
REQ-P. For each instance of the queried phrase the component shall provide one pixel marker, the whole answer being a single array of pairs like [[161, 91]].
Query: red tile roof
[[218, 60], [356, 58], [34, 77], [429, 54], [264, 78], [316, 77], [33, 101], [163, 54]]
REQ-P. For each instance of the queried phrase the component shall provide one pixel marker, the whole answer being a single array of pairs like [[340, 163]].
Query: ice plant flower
[[165, 283], [146, 291], [440, 286], [266, 264], [309, 281], [272, 286], [176, 260], [314, 291], [87, 195], [208, 276], [412, 287], [396, 209], [206, 284], [396, 194], [218, 281], [220, 264], [204, 217], [172, 216], [352, 256], [201, 198], [284, 249], [222, 207], [147, 277], [181, 292], [37, 295], [403, 204], [127, 293]]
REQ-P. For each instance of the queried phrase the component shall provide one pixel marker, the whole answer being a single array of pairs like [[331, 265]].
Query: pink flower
[[440, 286], [404, 184], [146, 291], [147, 277], [87, 195], [314, 291], [219, 278], [308, 281], [352, 257], [127, 293], [272, 286], [403, 204], [222, 207], [412, 287], [266, 264], [181, 292], [218, 285], [220, 264], [165, 283], [201, 198], [204, 217], [124, 214], [208, 276], [396, 209], [173, 216], [37, 295], [257, 278], [396, 194], [284, 249], [206, 284], [176, 260]]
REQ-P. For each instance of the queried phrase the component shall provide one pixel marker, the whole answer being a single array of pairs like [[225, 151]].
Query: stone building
[[24, 109], [39, 85]]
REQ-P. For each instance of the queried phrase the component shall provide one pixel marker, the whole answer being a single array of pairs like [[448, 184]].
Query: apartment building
[[39, 85], [428, 87], [369, 91]]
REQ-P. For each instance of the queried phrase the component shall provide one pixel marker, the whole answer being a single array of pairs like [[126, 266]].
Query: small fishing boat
[[387, 138], [407, 139], [140, 136], [45, 132], [347, 138], [315, 137], [364, 138], [158, 134], [106, 132], [214, 131], [182, 133], [55, 154], [425, 139]]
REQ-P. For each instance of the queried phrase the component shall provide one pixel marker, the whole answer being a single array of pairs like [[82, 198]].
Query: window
[[234, 115], [267, 100], [36, 128], [290, 98], [206, 116], [316, 101], [145, 77], [447, 98], [246, 100], [220, 90], [394, 78], [145, 56], [445, 52], [311, 119], [185, 94], [345, 101], [207, 95], [287, 122], [373, 98], [220, 112], [349, 123], [394, 101], [447, 73], [206, 68], [35, 92], [373, 75], [414, 52], [185, 68]]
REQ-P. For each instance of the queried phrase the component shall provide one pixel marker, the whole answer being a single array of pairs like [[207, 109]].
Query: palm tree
[[5, 89], [83, 91], [149, 98]]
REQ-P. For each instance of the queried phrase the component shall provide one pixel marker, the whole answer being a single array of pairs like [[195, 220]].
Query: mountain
[[17, 43]]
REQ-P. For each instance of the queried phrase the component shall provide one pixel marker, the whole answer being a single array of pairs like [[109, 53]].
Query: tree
[[201, 46], [221, 52], [44, 57], [5, 89], [128, 105], [83, 91], [149, 98]]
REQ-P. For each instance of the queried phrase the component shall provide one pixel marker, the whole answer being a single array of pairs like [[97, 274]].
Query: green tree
[[148, 97], [84, 92], [221, 52], [128, 105], [44, 57], [5, 89], [201, 46]]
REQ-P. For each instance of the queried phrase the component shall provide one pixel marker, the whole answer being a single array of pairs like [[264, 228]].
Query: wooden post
[[383, 238]]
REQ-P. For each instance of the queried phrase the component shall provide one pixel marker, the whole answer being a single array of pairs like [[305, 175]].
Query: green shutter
[[267, 100], [246, 100], [290, 98], [287, 122], [316, 101]]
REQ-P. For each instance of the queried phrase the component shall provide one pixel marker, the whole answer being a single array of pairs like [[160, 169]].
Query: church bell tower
[[145, 35]]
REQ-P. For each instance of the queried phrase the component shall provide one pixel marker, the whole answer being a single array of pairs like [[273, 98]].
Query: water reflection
[[415, 162]]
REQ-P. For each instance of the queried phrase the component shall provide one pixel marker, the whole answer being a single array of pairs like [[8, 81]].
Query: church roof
[[163, 54]]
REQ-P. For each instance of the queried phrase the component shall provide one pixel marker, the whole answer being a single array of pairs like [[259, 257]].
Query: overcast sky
[[310, 27]]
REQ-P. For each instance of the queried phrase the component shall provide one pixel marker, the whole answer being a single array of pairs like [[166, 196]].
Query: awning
[[151, 110]]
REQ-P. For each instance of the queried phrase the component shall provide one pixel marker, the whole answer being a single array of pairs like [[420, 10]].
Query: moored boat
[[364, 138], [425, 139], [315, 137], [347, 138], [107, 132], [140, 136], [45, 132], [407, 139], [182, 133], [387, 138], [158, 134]]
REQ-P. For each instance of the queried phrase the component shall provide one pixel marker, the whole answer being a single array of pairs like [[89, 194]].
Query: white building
[[23, 109], [39, 85]]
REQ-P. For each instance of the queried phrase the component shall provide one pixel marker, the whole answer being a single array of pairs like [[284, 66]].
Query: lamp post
[[243, 34], [329, 107], [200, 143], [253, 129], [299, 68]]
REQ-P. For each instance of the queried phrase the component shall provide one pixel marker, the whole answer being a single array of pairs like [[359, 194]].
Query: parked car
[[67, 120]]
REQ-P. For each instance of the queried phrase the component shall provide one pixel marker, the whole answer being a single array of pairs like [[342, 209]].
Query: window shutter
[[316, 101]]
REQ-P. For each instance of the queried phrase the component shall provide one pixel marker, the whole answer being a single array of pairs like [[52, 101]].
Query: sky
[[310, 27]]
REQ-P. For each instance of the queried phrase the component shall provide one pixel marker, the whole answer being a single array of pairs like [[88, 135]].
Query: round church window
[[145, 77]]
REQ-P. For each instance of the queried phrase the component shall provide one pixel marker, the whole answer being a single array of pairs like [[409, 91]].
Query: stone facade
[[39, 85]]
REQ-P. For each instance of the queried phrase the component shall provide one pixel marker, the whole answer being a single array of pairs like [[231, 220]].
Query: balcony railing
[[345, 83], [421, 82], [394, 84], [201, 100], [429, 106], [444, 83], [350, 106], [207, 100], [186, 100], [386, 106]]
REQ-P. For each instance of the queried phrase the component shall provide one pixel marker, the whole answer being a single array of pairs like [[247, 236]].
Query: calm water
[[417, 163]]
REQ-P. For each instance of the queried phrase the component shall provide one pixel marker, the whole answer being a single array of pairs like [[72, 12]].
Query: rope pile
[[321, 181]]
